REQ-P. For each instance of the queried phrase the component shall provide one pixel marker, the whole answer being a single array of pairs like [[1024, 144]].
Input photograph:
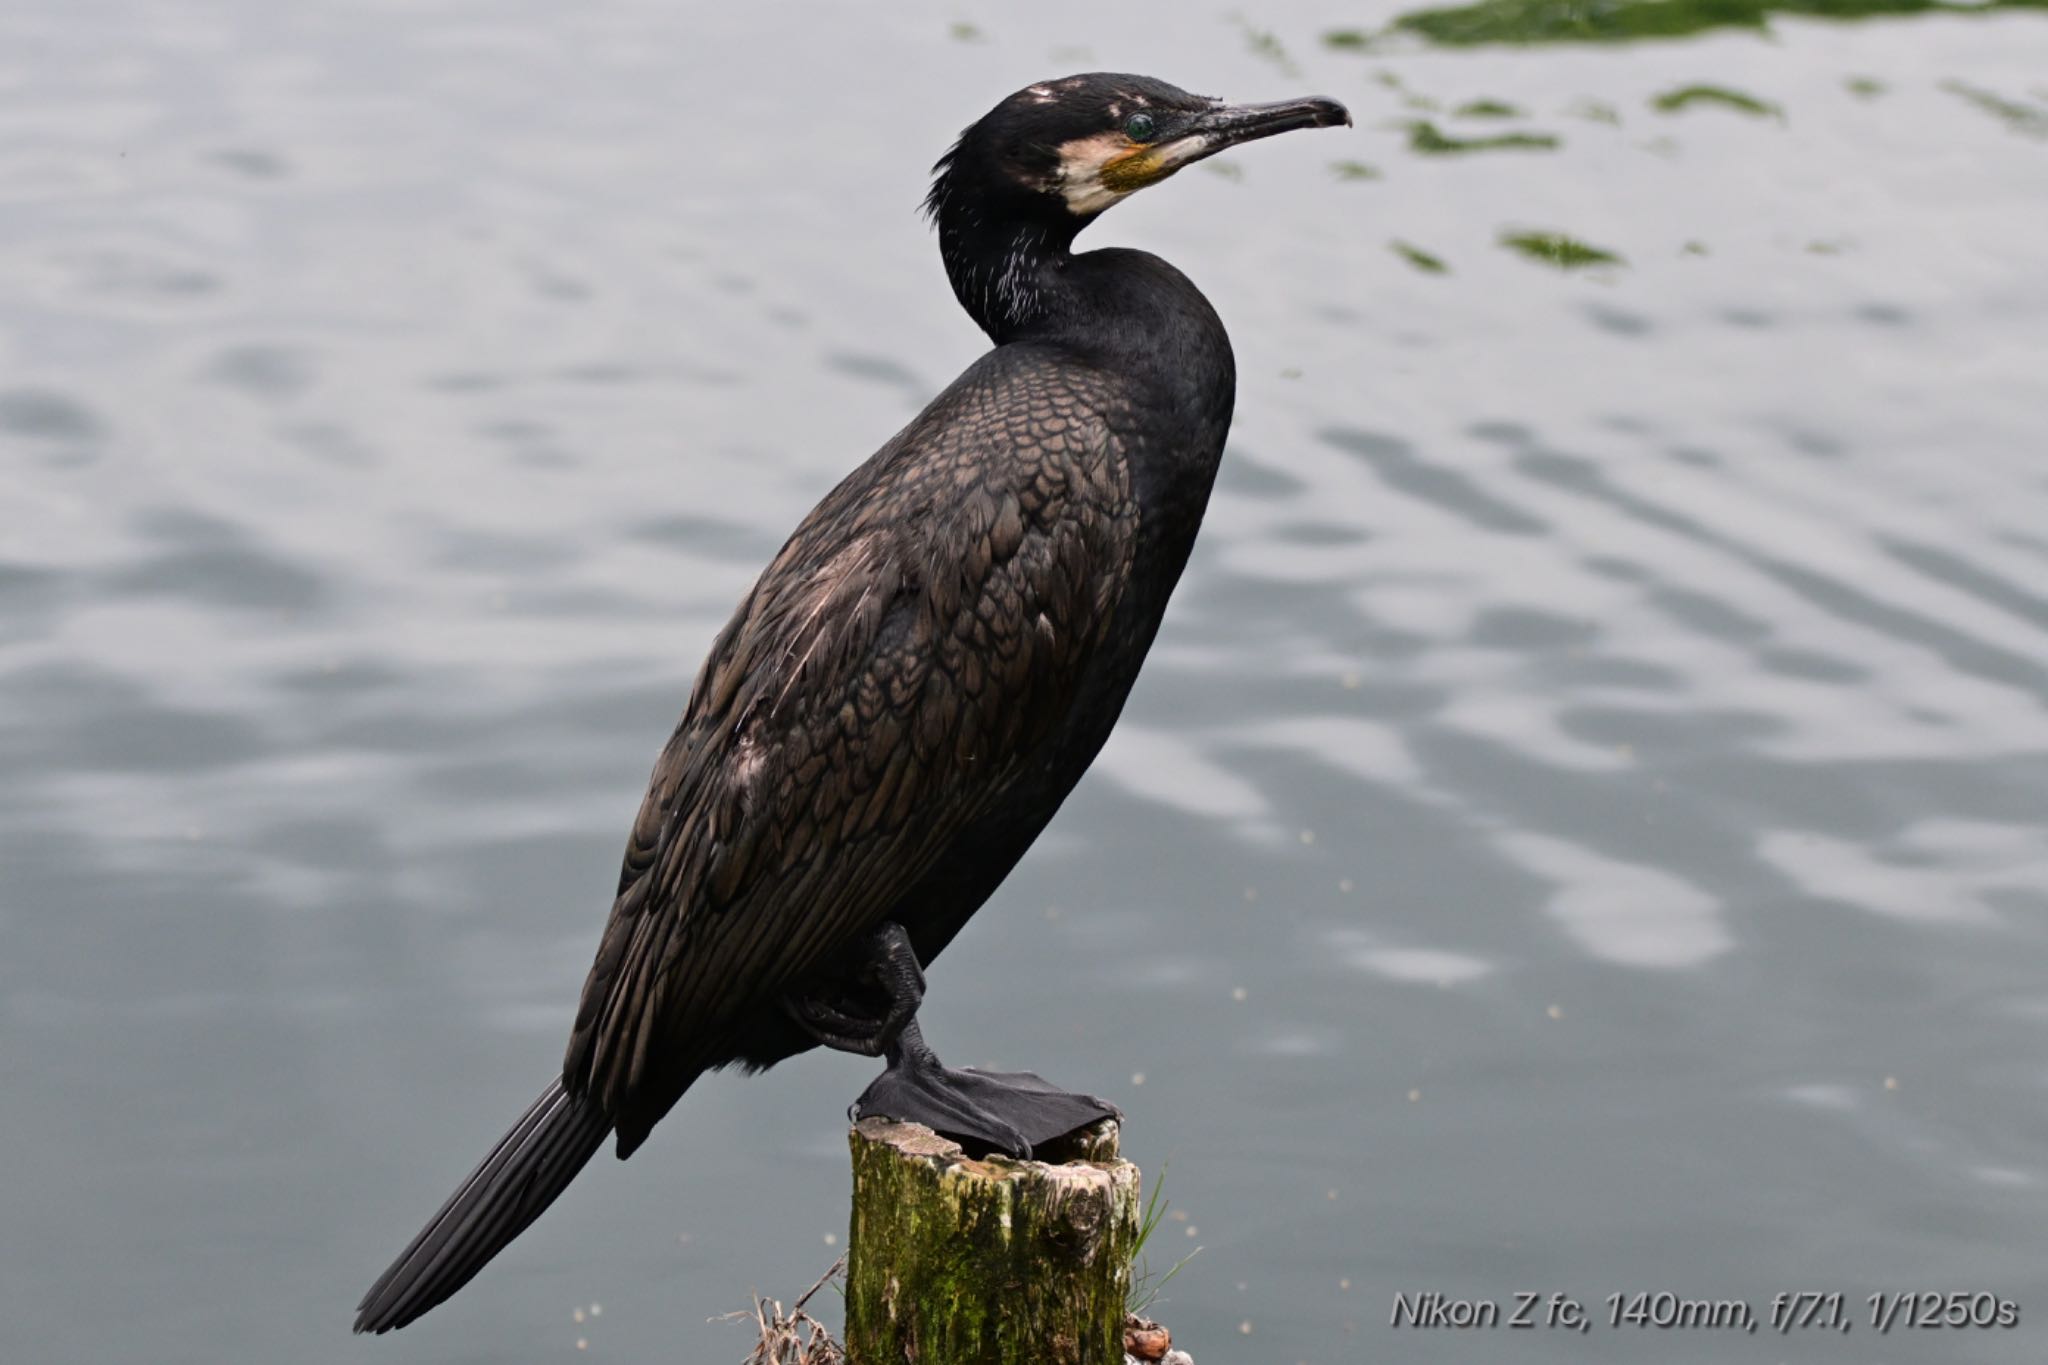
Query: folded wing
[[884, 683]]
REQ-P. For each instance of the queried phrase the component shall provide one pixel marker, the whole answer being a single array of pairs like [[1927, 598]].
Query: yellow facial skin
[[1138, 167]]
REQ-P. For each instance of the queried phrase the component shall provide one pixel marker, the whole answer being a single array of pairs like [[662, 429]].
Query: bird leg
[[874, 1014], [864, 1015]]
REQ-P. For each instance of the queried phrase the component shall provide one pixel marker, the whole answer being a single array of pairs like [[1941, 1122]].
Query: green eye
[[1139, 128]]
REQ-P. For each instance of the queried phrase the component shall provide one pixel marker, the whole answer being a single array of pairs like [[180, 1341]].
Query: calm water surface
[[1581, 828]]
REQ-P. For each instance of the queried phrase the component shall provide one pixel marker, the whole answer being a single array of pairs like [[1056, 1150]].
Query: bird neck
[[1127, 311], [1006, 273], [1132, 314]]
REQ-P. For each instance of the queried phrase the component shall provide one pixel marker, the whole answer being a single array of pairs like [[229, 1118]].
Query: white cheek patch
[[1082, 161], [1080, 174]]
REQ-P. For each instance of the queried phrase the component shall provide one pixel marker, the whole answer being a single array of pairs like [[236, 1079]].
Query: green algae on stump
[[989, 1261]]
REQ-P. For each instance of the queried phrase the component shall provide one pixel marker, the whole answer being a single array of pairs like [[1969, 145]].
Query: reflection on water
[[1581, 826]]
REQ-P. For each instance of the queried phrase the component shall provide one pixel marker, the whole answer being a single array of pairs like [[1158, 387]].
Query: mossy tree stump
[[959, 1261]]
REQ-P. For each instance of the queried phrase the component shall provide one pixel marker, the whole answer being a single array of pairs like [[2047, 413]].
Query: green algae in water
[[1565, 21], [1354, 170], [1486, 109], [2021, 118], [1420, 259], [1229, 170], [1426, 139], [1266, 44], [1556, 249], [1864, 87], [1689, 96], [1347, 39], [1578, 21]]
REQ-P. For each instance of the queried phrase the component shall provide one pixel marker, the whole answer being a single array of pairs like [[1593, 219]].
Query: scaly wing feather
[[880, 688]]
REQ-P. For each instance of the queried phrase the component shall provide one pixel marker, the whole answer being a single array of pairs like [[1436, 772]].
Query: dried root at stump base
[[794, 1337], [1146, 1342], [1145, 1339]]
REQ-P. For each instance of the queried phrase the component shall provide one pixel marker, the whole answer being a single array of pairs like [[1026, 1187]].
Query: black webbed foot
[[1005, 1111], [873, 1012]]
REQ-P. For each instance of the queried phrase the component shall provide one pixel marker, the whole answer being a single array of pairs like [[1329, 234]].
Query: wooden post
[[957, 1261]]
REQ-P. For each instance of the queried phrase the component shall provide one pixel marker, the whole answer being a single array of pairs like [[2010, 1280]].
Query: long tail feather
[[531, 1165]]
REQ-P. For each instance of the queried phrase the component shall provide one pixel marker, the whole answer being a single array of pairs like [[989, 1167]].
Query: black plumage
[[917, 680]]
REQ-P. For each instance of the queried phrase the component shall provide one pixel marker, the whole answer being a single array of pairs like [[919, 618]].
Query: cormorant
[[915, 682]]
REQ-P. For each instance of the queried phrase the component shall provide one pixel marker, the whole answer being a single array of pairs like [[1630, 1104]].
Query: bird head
[[1062, 151]]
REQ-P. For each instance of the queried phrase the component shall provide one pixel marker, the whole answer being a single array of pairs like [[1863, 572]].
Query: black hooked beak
[[1208, 132], [1229, 124], [1226, 125]]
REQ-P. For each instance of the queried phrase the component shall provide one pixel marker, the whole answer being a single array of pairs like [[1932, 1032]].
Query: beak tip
[[1228, 125]]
